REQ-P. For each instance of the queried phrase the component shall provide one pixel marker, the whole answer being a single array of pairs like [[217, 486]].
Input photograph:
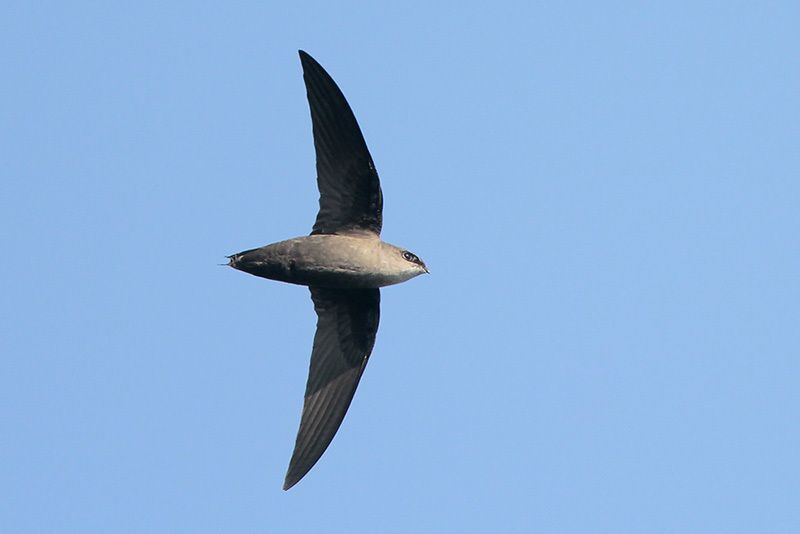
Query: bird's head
[[414, 261]]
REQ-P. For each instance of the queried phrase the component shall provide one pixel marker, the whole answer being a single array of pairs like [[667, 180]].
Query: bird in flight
[[343, 262]]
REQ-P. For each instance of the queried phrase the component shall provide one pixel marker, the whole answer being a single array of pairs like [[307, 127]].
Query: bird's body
[[343, 262], [329, 260]]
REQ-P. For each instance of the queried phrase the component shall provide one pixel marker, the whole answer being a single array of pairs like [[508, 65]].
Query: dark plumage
[[343, 262]]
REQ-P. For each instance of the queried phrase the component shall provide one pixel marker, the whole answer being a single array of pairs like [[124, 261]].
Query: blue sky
[[606, 194]]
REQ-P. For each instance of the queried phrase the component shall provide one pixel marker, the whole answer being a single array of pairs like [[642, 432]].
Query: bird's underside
[[339, 261]]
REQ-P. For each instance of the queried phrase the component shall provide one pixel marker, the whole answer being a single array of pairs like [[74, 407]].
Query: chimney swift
[[343, 262]]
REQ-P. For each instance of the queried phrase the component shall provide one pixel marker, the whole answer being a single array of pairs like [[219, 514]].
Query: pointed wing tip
[[305, 57], [293, 477]]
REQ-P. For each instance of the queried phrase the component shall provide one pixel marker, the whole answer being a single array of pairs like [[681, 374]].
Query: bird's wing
[[347, 321], [350, 198]]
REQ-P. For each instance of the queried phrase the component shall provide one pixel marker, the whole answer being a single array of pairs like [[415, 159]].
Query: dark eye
[[410, 257]]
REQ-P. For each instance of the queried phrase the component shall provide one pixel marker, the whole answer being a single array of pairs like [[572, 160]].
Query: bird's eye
[[410, 257]]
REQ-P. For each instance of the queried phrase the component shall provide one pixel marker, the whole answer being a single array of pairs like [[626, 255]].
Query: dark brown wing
[[347, 321], [350, 191]]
